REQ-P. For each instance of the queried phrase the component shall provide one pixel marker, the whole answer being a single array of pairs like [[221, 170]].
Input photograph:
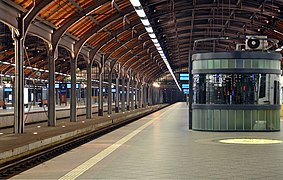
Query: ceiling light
[[155, 84], [145, 22], [140, 13], [157, 45], [152, 35], [154, 40], [139, 10], [135, 3], [149, 29]]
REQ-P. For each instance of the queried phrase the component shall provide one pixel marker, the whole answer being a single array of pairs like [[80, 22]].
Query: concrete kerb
[[56, 140]]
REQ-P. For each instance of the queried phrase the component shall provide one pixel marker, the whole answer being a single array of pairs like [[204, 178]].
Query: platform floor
[[160, 146]]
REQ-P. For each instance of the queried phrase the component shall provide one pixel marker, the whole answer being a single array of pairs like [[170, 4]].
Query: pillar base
[[100, 112], [116, 109]]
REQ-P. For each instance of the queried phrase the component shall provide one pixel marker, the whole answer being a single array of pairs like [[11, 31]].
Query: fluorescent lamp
[[135, 3], [149, 29], [157, 44], [152, 35], [140, 13], [139, 10], [154, 40], [145, 22]]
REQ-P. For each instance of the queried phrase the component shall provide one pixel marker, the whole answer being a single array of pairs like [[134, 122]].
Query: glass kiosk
[[236, 91]]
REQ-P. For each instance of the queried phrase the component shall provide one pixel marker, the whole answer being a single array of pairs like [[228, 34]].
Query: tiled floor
[[166, 149]]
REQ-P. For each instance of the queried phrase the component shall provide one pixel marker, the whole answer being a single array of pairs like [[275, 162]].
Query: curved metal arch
[[62, 30], [216, 26], [125, 42], [31, 14], [148, 59], [220, 17], [144, 58], [144, 68], [208, 6], [153, 58], [131, 56], [115, 60], [93, 52], [153, 74], [79, 44], [148, 73], [136, 48]]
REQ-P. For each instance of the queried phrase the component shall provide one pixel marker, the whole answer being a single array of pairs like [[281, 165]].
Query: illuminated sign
[[184, 76], [186, 91], [185, 86]]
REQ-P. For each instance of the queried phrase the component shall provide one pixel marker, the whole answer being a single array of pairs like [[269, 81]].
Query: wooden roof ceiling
[[114, 29]]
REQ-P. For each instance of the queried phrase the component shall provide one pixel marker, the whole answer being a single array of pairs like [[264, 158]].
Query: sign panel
[[184, 77]]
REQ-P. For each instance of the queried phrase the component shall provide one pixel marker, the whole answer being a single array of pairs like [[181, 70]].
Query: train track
[[12, 168]]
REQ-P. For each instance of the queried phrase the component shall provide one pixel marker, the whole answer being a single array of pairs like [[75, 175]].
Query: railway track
[[14, 167]]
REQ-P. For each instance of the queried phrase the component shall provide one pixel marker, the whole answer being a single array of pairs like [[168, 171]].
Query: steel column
[[132, 94], [136, 95], [117, 96], [89, 92], [149, 95], [73, 110], [128, 94], [51, 89], [123, 95], [100, 95], [146, 95], [141, 96], [19, 80], [109, 93]]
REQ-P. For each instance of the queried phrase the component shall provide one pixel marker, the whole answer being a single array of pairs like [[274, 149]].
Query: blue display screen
[[185, 86], [69, 86], [184, 77], [113, 90], [186, 91], [8, 89], [103, 90]]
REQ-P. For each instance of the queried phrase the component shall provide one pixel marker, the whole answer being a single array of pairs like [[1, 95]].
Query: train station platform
[[38, 136], [160, 146]]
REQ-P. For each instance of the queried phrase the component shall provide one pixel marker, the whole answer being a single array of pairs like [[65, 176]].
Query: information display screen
[[185, 86], [186, 91], [184, 77]]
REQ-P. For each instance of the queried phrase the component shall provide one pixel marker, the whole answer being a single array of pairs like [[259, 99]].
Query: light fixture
[[152, 35], [145, 22], [149, 29], [135, 3], [139, 10], [155, 84], [154, 41], [141, 13]]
